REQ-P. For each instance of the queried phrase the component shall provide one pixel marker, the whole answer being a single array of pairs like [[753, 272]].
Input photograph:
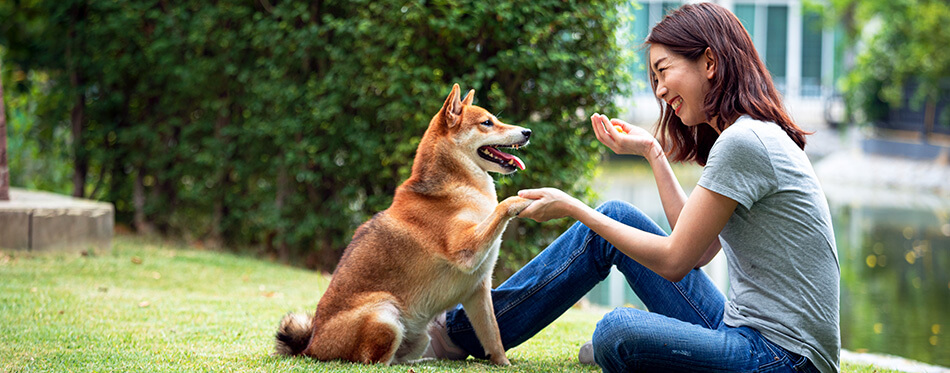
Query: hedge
[[282, 125]]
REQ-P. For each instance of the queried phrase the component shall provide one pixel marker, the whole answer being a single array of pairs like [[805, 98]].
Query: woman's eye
[[487, 123]]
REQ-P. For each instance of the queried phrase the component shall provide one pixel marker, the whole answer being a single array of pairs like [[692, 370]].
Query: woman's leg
[[567, 269], [630, 340]]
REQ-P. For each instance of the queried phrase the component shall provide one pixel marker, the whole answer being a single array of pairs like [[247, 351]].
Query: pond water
[[894, 252]]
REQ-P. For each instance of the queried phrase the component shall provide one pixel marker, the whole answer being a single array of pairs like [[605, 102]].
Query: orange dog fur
[[433, 248]]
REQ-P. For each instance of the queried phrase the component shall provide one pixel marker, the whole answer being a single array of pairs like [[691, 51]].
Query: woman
[[758, 200]]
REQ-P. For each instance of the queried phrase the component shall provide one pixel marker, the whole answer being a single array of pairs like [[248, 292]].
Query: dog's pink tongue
[[507, 157], [518, 162]]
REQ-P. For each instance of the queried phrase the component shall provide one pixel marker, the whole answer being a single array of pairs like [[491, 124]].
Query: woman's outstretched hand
[[549, 203], [634, 140]]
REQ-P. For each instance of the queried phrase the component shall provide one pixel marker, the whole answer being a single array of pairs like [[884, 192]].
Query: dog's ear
[[452, 108], [469, 98]]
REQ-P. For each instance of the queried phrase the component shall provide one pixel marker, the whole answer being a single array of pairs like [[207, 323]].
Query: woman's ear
[[711, 61]]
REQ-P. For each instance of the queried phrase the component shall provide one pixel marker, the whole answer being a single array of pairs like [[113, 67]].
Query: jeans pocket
[[802, 364], [781, 360], [775, 351], [772, 358]]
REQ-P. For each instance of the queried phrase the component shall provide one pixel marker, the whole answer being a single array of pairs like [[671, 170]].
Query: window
[[746, 15], [776, 43], [645, 16], [811, 54]]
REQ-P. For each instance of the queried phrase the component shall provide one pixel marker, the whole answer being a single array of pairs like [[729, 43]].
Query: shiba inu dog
[[433, 248]]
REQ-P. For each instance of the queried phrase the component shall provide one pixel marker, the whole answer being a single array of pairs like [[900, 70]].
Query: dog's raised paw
[[515, 205]]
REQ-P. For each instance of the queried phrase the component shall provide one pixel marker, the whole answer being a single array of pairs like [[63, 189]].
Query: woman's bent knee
[[630, 215], [613, 336], [617, 209], [615, 326]]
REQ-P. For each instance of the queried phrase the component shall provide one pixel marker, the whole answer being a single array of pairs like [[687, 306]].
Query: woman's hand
[[634, 140], [549, 203]]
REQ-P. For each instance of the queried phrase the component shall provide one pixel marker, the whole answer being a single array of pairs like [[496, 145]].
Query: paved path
[[850, 174]]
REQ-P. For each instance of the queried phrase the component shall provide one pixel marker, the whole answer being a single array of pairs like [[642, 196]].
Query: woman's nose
[[660, 91]]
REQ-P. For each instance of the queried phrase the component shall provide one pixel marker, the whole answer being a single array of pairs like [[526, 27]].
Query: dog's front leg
[[481, 313], [470, 248]]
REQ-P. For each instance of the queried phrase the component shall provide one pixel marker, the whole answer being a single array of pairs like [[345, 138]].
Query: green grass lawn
[[150, 306]]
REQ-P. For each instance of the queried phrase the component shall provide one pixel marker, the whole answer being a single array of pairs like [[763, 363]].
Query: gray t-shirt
[[779, 243]]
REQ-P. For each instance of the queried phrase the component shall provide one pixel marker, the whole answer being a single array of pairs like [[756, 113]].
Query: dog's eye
[[487, 123]]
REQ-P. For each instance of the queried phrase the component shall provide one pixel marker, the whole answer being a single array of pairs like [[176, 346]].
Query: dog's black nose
[[526, 133]]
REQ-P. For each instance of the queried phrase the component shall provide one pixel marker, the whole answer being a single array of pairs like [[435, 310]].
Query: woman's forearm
[[673, 256], [672, 195]]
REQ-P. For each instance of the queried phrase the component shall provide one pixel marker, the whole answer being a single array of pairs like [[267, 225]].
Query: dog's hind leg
[[368, 334], [380, 335]]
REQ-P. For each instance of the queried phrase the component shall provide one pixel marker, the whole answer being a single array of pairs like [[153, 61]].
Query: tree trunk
[[80, 159], [283, 251], [4, 166], [138, 200], [222, 178], [930, 117], [80, 163]]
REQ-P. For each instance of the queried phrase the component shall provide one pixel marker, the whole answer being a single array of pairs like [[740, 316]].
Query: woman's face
[[681, 83]]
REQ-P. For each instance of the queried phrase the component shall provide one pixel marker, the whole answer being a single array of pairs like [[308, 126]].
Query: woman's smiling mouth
[[676, 103]]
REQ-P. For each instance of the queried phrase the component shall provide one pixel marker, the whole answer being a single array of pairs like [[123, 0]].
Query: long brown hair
[[741, 84]]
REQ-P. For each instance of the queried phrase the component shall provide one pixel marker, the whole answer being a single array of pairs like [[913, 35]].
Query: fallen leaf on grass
[[272, 294], [136, 260]]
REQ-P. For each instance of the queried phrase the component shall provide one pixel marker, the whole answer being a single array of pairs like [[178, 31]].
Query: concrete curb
[[42, 221]]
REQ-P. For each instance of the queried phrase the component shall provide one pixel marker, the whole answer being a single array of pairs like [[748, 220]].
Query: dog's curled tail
[[293, 334]]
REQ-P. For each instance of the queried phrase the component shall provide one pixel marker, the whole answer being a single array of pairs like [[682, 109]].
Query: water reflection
[[895, 288], [894, 253]]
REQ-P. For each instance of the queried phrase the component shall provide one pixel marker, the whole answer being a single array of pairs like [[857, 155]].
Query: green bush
[[38, 155], [284, 125], [902, 51]]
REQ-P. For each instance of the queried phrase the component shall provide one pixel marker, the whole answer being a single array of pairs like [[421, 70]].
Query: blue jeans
[[683, 331]]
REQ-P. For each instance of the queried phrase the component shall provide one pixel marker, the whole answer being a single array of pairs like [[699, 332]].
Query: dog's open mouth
[[491, 153]]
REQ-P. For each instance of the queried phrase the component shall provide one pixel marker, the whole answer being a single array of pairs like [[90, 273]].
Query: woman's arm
[[673, 199], [637, 141], [704, 215]]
